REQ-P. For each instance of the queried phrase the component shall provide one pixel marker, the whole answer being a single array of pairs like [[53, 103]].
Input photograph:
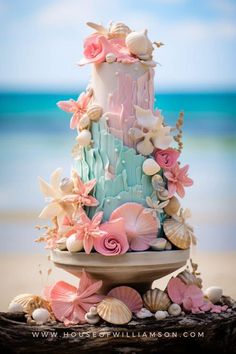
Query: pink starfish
[[177, 180], [81, 192], [87, 230], [70, 304], [78, 108]]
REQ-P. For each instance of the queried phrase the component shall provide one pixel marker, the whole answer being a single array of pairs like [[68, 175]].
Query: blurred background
[[40, 43]]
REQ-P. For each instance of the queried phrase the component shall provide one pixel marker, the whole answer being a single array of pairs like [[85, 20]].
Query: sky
[[42, 40]]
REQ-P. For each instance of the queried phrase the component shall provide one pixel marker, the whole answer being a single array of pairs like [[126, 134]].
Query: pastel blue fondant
[[129, 183]]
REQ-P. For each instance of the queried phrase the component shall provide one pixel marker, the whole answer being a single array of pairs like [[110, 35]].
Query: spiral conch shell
[[155, 300], [139, 44], [30, 302], [94, 112], [178, 231], [114, 311]]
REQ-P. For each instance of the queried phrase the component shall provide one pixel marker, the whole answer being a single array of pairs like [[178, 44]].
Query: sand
[[21, 273]]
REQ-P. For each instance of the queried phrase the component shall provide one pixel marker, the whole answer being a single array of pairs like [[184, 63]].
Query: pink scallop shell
[[141, 225], [129, 296]]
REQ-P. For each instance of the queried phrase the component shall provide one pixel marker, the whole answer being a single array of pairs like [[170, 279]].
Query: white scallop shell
[[73, 244], [150, 167], [84, 137], [94, 112], [114, 311], [119, 30]]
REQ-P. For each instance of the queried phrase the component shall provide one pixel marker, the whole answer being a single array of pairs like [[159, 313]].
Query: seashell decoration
[[156, 299], [41, 316], [114, 311], [73, 244], [110, 57], [84, 122], [66, 185], [174, 310], [14, 307], [129, 296], [178, 231], [150, 167], [92, 316], [119, 30], [30, 302], [214, 294], [139, 44], [143, 313], [172, 207], [61, 244], [94, 112], [159, 244], [189, 278], [84, 138], [160, 315], [168, 246]]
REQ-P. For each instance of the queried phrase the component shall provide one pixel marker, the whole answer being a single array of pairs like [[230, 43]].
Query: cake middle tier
[[117, 87], [117, 169]]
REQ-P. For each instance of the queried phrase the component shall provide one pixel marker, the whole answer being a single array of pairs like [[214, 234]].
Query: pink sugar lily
[[78, 108], [70, 304], [81, 192], [87, 230], [177, 180]]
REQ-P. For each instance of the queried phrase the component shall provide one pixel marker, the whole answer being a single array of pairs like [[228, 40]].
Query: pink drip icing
[[121, 103]]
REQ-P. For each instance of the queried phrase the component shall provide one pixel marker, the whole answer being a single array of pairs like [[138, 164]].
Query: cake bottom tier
[[135, 269]]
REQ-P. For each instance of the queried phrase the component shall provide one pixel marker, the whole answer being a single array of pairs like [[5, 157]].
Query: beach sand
[[21, 273]]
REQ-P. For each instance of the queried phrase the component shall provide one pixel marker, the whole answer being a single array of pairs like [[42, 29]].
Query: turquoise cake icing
[[129, 183]]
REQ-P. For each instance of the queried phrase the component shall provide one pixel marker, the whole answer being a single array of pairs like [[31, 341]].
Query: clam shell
[[173, 206], [94, 112], [114, 311], [178, 233], [156, 300], [119, 30], [189, 279], [30, 302], [84, 122], [129, 296]]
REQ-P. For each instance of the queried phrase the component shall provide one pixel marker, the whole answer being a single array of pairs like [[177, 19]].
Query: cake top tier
[[118, 43]]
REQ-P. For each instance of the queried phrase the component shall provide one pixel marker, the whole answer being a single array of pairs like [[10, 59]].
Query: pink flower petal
[[176, 290]]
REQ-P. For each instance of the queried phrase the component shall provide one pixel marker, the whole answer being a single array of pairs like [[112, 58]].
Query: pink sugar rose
[[115, 241], [177, 180], [166, 158], [97, 46]]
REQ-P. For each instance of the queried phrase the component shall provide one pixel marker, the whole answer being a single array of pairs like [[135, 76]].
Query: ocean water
[[35, 139]]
